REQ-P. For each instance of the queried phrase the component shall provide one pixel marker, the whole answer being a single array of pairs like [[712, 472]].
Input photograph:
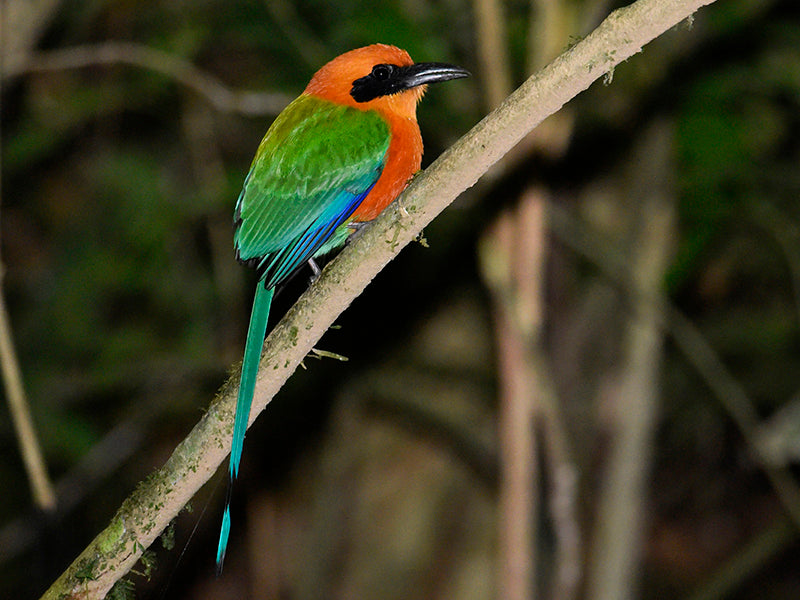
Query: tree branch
[[24, 21], [18, 406], [618, 529], [184, 72], [160, 497]]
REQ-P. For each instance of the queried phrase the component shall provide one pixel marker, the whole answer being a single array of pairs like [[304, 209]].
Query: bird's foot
[[357, 227]]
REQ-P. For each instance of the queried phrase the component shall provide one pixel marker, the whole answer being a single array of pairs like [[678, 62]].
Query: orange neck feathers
[[335, 80]]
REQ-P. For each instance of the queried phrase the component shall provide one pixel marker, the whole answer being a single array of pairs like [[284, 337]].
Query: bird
[[333, 159]]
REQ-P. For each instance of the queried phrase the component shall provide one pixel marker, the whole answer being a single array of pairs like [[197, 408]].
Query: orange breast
[[403, 159]]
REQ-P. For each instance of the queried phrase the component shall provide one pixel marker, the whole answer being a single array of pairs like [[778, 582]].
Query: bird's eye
[[382, 72]]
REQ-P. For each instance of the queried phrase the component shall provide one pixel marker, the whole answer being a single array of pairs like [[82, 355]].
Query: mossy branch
[[158, 499]]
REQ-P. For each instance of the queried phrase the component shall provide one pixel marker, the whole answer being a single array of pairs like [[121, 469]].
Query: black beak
[[422, 73], [385, 79]]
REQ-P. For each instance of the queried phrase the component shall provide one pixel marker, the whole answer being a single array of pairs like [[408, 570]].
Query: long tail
[[247, 385]]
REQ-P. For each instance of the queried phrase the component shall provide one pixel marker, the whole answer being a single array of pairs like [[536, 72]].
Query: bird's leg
[[316, 271]]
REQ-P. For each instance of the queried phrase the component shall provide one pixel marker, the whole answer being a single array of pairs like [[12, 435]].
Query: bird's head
[[379, 77]]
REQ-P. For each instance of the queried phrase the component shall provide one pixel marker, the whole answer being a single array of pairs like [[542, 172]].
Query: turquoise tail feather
[[247, 385]]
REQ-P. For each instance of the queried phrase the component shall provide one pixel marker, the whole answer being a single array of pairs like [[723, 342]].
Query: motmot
[[334, 158]]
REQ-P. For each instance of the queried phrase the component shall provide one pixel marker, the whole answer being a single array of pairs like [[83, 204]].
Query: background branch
[[699, 352], [635, 400], [25, 20], [491, 38], [41, 486], [184, 72], [513, 278]]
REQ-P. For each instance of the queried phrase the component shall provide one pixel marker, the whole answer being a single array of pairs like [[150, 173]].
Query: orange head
[[381, 78]]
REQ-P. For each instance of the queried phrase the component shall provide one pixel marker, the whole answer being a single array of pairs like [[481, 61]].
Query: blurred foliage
[[376, 478]]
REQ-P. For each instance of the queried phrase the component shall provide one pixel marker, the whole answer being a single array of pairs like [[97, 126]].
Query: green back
[[314, 166]]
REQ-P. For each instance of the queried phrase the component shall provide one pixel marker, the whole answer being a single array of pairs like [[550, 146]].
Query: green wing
[[312, 170]]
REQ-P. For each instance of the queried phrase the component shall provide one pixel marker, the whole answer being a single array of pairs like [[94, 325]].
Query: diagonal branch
[[159, 498]]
